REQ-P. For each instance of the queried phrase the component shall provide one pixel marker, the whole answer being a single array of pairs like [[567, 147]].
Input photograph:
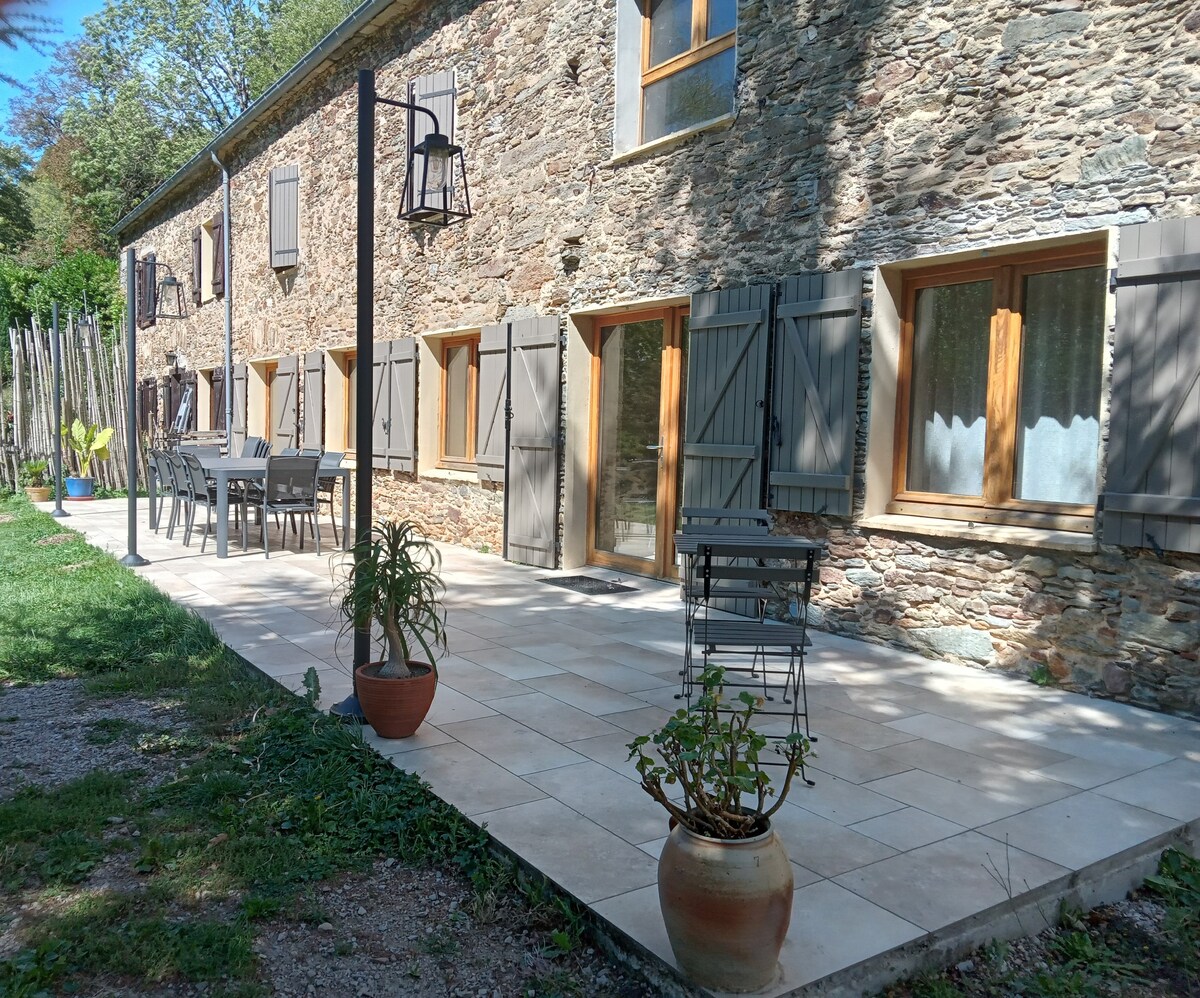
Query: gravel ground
[[400, 932]]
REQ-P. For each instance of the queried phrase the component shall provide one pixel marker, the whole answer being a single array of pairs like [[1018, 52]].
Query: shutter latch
[[776, 432]]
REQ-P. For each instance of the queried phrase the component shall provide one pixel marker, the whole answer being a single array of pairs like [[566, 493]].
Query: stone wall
[[865, 134]]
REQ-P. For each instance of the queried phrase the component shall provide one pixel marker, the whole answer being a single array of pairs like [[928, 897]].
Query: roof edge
[[362, 15]]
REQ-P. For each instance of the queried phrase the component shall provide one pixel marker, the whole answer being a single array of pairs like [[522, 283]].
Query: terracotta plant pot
[[727, 904], [38, 493], [396, 707]]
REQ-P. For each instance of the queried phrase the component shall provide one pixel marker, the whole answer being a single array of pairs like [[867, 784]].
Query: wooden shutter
[[531, 493], [394, 405], [814, 393], [724, 428], [285, 404], [216, 405], [437, 93], [492, 438], [197, 266], [218, 255], [237, 434], [313, 400], [1153, 467], [146, 291], [284, 210], [139, 293], [148, 405], [172, 392]]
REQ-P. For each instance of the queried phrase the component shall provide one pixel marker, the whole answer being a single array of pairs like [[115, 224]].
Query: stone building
[[921, 278]]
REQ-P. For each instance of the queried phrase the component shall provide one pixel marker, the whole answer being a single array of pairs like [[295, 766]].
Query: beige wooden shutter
[[1152, 497], [284, 210], [237, 432], [312, 400], [492, 438], [285, 404]]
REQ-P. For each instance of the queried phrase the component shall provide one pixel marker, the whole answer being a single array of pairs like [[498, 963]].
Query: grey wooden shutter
[[531, 492], [237, 433], [216, 405], [1153, 467], [492, 439], [437, 93], [724, 428], [394, 405], [197, 266], [313, 400], [218, 254], [284, 210], [146, 276], [814, 394], [285, 404], [139, 293]]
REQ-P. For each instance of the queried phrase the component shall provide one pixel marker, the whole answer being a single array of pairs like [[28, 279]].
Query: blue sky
[[24, 64]]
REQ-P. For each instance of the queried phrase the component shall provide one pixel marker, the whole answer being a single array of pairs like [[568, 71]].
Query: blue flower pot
[[80, 488]]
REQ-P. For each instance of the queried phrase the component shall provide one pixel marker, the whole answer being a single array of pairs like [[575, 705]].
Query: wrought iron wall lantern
[[435, 180], [169, 300]]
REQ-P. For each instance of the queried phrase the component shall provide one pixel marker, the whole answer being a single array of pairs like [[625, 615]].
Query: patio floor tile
[[832, 929], [856, 731], [609, 750], [945, 798], [512, 664], [426, 736], [450, 706], [1080, 830], [467, 780], [640, 721], [518, 749], [615, 676], [638, 914], [1172, 789], [825, 846], [553, 718], [610, 800], [585, 694], [908, 828], [852, 763], [941, 883], [476, 681], [841, 801], [559, 837], [977, 741]]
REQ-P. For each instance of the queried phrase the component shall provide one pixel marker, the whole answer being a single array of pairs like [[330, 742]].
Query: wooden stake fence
[[93, 389]]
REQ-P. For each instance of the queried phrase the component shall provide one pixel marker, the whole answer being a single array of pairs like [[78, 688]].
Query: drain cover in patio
[[587, 585]]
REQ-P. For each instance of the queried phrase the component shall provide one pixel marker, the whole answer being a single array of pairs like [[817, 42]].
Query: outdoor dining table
[[223, 470]]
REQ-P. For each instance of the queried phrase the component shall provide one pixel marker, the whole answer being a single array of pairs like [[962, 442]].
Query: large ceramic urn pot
[[727, 904]]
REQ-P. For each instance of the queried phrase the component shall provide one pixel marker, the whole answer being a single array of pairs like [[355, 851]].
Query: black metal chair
[[291, 488]]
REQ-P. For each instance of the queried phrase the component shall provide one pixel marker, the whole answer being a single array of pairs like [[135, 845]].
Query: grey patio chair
[[327, 485], [250, 446], [289, 451], [204, 494], [312, 452], [200, 450], [291, 488], [182, 491], [165, 486]]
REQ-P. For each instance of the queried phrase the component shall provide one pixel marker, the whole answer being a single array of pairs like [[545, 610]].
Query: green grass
[[272, 799]]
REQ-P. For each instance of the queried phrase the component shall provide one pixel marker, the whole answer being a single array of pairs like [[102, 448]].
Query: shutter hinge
[[1112, 280]]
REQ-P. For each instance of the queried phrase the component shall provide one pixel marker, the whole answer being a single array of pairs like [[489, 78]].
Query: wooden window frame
[[997, 503], [459, 462], [701, 48], [670, 422], [348, 445]]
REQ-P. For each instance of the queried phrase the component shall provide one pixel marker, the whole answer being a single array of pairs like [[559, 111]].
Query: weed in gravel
[[107, 730]]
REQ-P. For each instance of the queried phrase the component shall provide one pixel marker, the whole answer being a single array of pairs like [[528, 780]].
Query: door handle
[[654, 446]]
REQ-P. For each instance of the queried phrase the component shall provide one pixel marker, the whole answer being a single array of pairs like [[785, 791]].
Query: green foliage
[[715, 757], [87, 441], [395, 580], [293, 28], [32, 474], [16, 221], [81, 281]]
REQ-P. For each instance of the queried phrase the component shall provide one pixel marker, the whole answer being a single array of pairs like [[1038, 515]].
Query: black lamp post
[[132, 558], [429, 196], [56, 358]]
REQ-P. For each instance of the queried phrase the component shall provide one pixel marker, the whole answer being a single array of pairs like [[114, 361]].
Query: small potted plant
[[724, 880], [87, 441], [394, 580], [32, 478]]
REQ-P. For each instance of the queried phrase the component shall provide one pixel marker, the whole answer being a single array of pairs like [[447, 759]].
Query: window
[[459, 401], [688, 64], [350, 421], [998, 401]]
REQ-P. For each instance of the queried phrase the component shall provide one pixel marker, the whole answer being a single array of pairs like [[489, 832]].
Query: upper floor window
[[688, 64], [998, 401]]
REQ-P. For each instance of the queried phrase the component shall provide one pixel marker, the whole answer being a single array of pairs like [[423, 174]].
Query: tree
[[16, 222], [19, 24]]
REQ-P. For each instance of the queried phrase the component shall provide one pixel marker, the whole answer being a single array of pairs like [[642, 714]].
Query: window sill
[[991, 533], [450, 475], [715, 124]]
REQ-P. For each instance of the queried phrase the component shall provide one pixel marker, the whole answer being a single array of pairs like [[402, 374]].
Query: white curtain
[[1059, 429]]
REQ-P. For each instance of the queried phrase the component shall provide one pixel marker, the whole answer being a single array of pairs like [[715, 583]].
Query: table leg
[[222, 481], [346, 511]]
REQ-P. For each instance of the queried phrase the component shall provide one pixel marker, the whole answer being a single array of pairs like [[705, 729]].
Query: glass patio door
[[637, 407]]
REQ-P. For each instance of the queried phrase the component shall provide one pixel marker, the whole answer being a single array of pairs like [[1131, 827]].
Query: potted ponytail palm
[[395, 581], [724, 880]]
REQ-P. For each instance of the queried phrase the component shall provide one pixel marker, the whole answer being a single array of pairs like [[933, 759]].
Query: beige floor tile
[[426, 736], [1172, 789], [963, 805], [852, 763], [476, 681], [512, 664], [841, 801], [585, 694], [554, 718], [908, 828], [977, 741], [612, 674], [939, 884], [518, 749], [640, 721], [466, 779], [610, 800], [824, 846], [450, 706], [557, 838]]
